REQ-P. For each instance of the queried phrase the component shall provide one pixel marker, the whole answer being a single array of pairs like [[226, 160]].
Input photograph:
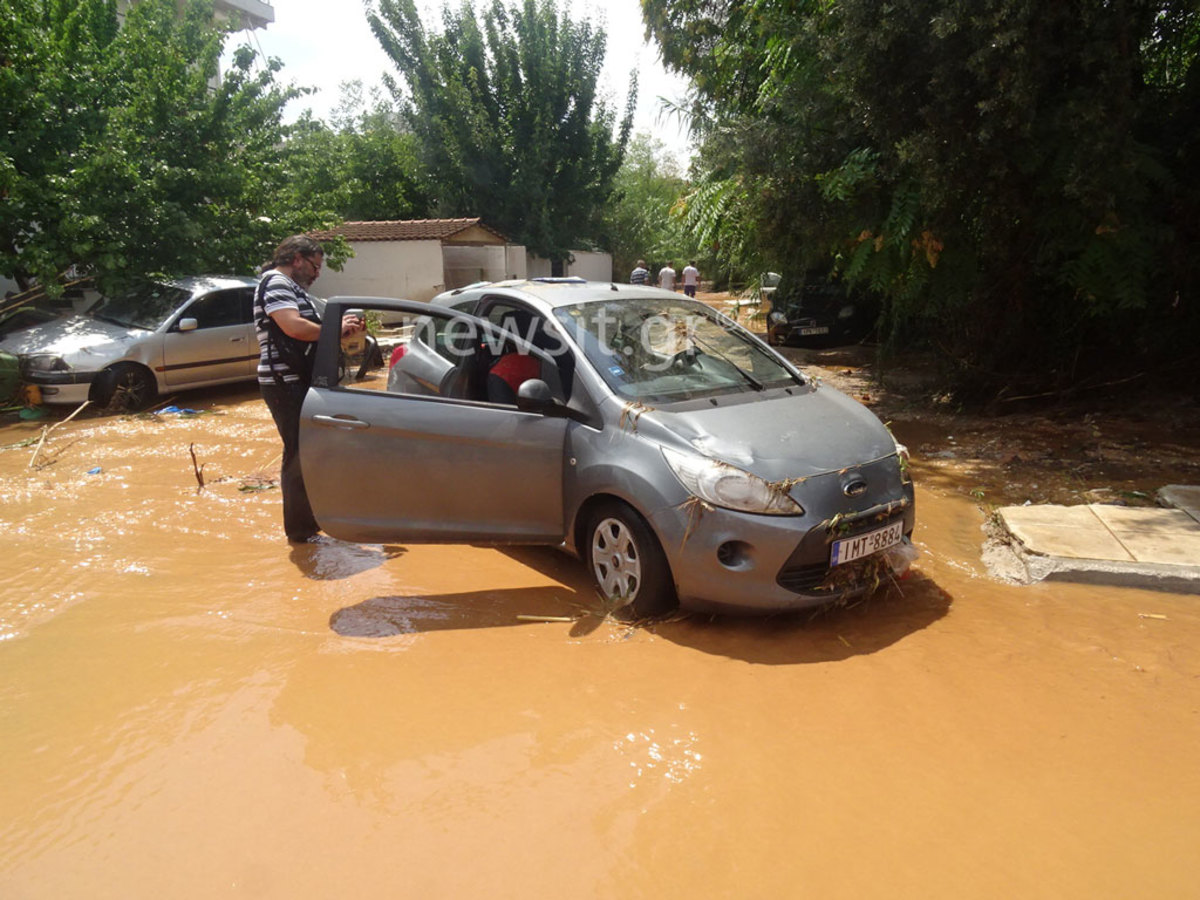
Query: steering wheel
[[685, 358]]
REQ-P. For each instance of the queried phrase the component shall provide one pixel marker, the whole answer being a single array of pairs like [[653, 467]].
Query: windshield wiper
[[708, 348], [113, 319]]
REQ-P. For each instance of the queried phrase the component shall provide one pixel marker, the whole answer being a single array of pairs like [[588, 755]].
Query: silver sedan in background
[[678, 455], [150, 339]]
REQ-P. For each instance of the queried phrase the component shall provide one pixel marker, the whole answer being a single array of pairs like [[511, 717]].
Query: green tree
[[507, 117], [640, 222], [1017, 178], [121, 157], [362, 167]]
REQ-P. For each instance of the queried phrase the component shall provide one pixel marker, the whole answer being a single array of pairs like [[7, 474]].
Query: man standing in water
[[288, 326]]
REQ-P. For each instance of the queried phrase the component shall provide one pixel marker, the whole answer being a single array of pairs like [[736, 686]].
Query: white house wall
[[592, 266], [515, 257], [408, 270], [584, 264], [467, 264], [536, 267]]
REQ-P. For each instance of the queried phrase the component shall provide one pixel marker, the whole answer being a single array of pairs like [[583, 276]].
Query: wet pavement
[[190, 708]]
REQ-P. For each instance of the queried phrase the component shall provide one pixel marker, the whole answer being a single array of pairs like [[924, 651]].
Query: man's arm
[[295, 325]]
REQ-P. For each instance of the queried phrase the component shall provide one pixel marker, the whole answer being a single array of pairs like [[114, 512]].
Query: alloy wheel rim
[[616, 561], [130, 391]]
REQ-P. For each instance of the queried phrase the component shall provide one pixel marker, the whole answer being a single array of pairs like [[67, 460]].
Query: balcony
[[252, 13]]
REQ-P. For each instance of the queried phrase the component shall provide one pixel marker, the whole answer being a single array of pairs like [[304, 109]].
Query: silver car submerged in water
[[678, 455]]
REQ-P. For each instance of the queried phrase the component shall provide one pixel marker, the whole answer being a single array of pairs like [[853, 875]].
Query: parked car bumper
[[61, 387], [737, 562], [817, 331]]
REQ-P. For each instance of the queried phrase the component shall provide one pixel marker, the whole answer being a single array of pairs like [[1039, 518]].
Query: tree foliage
[[120, 156], [641, 220], [509, 124], [361, 167], [1017, 179]]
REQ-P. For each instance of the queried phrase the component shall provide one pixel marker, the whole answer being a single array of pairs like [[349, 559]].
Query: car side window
[[221, 308], [443, 353], [428, 354]]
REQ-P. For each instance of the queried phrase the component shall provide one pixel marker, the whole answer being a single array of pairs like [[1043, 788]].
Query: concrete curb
[[1147, 548]]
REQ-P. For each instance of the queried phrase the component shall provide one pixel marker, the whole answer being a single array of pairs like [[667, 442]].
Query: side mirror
[[534, 395], [188, 324]]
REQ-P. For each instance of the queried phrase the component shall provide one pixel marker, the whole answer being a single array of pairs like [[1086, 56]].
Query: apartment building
[[244, 13]]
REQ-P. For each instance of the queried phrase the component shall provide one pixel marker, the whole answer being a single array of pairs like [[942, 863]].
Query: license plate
[[815, 329], [852, 548]]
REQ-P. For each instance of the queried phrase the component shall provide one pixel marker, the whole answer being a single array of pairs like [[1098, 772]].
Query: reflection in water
[[672, 758], [191, 709]]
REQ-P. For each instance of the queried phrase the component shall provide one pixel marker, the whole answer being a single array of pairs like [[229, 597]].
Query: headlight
[[44, 362], [726, 486], [845, 312], [777, 318]]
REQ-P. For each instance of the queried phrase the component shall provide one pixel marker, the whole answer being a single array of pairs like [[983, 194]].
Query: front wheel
[[627, 562], [125, 387]]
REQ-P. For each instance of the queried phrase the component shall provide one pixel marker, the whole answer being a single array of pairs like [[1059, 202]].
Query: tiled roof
[[404, 230]]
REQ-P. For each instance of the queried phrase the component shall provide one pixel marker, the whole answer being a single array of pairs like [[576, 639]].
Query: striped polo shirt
[[277, 292]]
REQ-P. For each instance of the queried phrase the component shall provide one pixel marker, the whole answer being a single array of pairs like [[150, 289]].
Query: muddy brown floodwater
[[191, 709]]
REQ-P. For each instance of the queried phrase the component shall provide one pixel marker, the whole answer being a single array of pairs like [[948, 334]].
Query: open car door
[[419, 451]]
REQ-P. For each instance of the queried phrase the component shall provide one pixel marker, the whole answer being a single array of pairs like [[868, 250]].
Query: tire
[[627, 562], [125, 387]]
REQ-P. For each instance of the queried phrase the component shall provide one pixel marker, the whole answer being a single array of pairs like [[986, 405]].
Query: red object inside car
[[516, 369]]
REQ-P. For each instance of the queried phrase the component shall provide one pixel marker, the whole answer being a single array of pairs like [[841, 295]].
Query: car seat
[[530, 326], [513, 368]]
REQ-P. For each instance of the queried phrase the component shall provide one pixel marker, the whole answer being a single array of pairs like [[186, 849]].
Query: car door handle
[[344, 422]]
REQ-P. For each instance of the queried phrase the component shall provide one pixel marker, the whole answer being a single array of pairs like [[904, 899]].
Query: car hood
[[74, 338], [780, 436]]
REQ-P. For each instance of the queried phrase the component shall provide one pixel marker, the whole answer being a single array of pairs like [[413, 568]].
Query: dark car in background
[[819, 312]]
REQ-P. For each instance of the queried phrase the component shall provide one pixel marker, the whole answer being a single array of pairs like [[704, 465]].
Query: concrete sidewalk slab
[[1181, 496], [1101, 544], [1074, 532]]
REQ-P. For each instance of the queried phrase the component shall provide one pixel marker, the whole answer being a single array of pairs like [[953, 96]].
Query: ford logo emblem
[[854, 488]]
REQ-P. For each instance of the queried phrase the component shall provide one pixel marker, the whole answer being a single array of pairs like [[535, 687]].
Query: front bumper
[[730, 561], [61, 387]]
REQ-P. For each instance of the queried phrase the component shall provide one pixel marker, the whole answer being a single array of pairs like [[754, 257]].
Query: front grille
[[802, 578], [848, 578]]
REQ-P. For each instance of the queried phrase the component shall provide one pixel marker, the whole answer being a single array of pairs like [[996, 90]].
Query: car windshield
[[668, 350], [143, 306]]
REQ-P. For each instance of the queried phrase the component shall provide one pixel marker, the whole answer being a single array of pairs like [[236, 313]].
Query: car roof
[[196, 283], [552, 293]]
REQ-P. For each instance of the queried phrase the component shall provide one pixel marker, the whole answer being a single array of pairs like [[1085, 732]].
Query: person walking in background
[[640, 274], [691, 279], [288, 325], [666, 278]]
